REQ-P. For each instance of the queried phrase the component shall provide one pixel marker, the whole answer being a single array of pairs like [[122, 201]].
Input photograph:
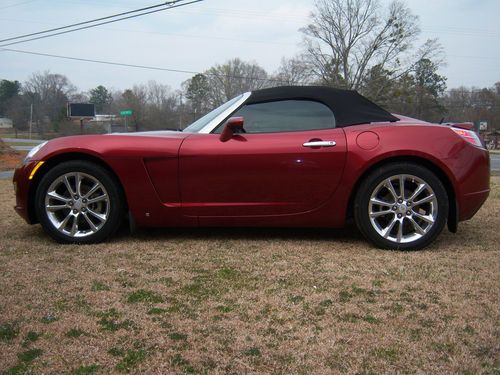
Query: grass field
[[249, 301]]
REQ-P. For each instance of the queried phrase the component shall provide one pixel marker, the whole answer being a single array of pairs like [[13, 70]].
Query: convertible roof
[[349, 107]]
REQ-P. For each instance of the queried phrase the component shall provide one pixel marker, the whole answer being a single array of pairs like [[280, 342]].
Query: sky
[[197, 36]]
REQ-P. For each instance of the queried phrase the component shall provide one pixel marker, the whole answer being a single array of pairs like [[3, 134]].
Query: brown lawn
[[249, 301], [9, 157]]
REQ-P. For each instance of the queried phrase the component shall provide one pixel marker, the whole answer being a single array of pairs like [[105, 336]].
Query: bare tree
[[49, 93], [232, 78], [161, 106], [294, 71], [135, 99], [346, 38], [474, 104]]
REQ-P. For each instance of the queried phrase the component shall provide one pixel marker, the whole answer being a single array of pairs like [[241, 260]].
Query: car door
[[289, 161]]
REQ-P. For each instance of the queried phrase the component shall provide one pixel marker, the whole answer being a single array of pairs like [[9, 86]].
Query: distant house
[[5, 123], [106, 122]]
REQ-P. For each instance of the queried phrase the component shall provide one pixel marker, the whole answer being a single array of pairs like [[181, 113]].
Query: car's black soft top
[[349, 107]]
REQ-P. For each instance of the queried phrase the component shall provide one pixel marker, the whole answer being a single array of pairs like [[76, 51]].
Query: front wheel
[[401, 206], [79, 202]]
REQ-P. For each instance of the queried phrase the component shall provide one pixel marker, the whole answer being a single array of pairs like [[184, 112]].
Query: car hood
[[143, 144]]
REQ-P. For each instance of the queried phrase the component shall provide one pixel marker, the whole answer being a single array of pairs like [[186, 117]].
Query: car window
[[199, 124], [284, 116]]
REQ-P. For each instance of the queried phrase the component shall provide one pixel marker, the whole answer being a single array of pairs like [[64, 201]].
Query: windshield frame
[[219, 114]]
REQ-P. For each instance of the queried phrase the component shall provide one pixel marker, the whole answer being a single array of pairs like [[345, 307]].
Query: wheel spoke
[[390, 187], [78, 184], [402, 186], [100, 198], [420, 188], [54, 195], [68, 185], [74, 227], [381, 213], [416, 226], [93, 227], [427, 218], [381, 202], [101, 217], [387, 230], [424, 200], [63, 223], [53, 208], [92, 190], [400, 231]]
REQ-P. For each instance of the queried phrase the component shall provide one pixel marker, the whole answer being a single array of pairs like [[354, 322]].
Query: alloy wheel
[[403, 208], [77, 204]]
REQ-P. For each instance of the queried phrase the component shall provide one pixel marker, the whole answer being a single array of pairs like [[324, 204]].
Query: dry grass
[[249, 301], [9, 157]]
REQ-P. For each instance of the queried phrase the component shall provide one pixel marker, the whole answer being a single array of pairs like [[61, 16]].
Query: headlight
[[33, 151]]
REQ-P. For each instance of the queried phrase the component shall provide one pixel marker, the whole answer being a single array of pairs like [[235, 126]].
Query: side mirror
[[233, 125]]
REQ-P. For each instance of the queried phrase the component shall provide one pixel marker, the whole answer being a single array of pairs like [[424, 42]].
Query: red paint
[[367, 140], [182, 179]]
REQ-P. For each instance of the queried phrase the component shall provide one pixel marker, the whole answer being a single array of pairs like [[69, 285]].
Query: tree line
[[350, 44]]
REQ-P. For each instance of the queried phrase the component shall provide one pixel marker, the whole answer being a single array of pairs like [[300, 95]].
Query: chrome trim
[[216, 121], [320, 144]]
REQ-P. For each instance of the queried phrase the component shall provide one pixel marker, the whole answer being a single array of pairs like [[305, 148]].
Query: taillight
[[469, 135]]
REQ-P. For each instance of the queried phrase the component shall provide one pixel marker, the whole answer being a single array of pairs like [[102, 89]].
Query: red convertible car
[[285, 157]]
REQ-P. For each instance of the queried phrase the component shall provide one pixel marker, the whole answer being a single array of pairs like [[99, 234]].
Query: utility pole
[[31, 117], [180, 113]]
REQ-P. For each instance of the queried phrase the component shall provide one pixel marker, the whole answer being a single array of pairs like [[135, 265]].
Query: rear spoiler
[[461, 125]]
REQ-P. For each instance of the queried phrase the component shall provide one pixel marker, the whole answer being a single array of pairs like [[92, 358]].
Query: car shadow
[[238, 233]]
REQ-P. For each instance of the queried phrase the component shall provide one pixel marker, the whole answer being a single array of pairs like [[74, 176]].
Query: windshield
[[199, 124]]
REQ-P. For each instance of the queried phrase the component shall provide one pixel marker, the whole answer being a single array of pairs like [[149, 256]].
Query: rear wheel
[[401, 206], [79, 202]]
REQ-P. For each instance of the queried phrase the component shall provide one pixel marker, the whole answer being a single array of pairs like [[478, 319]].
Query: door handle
[[320, 144]]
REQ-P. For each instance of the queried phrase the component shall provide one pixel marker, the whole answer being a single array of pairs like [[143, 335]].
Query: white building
[[5, 123]]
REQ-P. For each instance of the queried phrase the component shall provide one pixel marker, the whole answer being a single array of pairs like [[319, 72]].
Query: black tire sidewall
[[104, 177], [371, 181]]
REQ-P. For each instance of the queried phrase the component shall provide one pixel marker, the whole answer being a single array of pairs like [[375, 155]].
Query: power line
[[18, 4], [100, 61], [91, 21], [169, 5], [172, 70]]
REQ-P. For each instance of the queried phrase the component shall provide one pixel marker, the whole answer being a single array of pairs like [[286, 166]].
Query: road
[[6, 175], [495, 162], [22, 140], [23, 147]]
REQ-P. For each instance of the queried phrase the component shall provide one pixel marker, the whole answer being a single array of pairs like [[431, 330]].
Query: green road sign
[[126, 113]]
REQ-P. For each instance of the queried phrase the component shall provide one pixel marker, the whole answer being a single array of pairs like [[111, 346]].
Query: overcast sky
[[198, 36]]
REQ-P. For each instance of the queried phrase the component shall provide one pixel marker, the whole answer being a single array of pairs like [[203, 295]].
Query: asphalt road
[[22, 140], [5, 175], [495, 162], [23, 147]]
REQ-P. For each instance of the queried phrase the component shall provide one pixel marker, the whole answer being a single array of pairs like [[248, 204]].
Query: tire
[[408, 222], [90, 213]]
